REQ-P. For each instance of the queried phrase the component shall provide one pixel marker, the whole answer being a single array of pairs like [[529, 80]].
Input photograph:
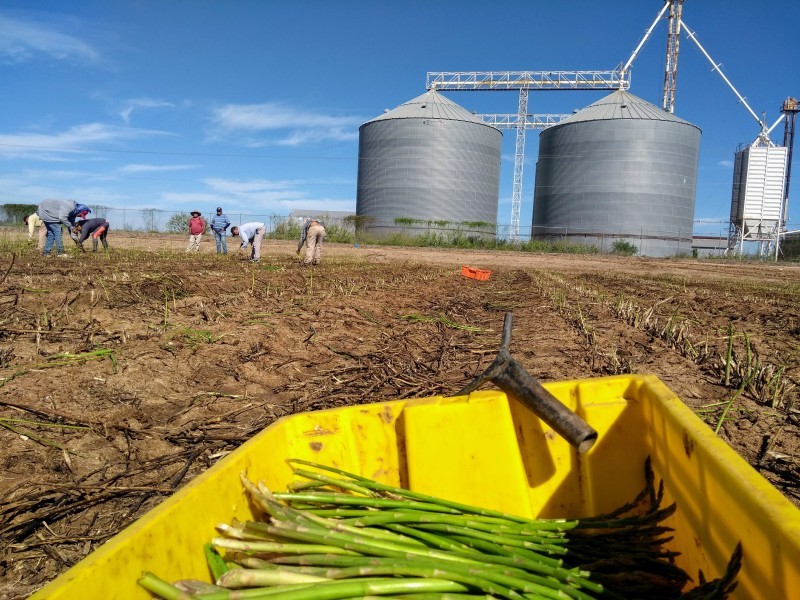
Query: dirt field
[[124, 376]]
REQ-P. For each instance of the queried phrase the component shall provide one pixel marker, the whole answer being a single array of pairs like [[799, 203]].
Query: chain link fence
[[630, 240], [641, 241], [170, 221]]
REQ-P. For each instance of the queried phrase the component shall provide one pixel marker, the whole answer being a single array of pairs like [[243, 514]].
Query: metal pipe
[[644, 39], [721, 74], [511, 377], [775, 124]]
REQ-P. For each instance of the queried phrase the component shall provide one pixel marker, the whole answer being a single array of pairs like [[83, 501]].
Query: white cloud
[[321, 204], [23, 40], [235, 186], [728, 164], [258, 197], [78, 139], [295, 127], [33, 186], [142, 103], [139, 168], [256, 192], [179, 200], [306, 136]]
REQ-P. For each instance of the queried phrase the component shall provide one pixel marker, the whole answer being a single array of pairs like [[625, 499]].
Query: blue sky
[[255, 104]]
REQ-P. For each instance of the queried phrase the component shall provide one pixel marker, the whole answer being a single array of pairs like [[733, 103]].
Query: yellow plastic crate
[[485, 450]]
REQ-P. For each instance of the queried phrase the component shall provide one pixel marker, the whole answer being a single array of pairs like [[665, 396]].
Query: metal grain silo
[[620, 169], [428, 164]]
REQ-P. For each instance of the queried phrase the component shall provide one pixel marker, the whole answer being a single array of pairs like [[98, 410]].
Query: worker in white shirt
[[252, 234], [33, 221]]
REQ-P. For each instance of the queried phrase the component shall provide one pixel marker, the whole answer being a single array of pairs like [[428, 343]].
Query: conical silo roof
[[430, 105], [622, 105]]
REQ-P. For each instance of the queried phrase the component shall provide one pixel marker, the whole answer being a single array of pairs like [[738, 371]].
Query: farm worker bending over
[[312, 235], [197, 227], [33, 221], [219, 225], [97, 228], [250, 233], [56, 213]]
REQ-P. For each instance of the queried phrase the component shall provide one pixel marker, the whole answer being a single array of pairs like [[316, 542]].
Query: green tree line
[[14, 214]]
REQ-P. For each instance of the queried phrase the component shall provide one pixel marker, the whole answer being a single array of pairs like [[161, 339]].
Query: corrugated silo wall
[[602, 181], [428, 171]]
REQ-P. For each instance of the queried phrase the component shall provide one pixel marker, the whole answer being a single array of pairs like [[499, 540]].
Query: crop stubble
[[208, 350]]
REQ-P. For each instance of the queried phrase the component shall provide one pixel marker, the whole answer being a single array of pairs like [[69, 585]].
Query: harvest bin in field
[[487, 450], [473, 273]]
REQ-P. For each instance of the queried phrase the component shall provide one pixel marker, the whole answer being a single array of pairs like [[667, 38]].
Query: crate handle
[[511, 377]]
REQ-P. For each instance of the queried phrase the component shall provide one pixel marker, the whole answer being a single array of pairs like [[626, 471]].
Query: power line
[[163, 153], [124, 177]]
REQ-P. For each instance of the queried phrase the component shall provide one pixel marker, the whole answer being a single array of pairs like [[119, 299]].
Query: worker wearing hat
[[197, 227]]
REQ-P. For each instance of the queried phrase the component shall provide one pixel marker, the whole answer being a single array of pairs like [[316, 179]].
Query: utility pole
[[789, 109]]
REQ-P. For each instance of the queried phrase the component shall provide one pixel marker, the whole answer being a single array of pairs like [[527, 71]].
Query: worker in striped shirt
[[219, 225]]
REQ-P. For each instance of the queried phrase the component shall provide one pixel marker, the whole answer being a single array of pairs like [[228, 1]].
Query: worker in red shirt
[[197, 227]]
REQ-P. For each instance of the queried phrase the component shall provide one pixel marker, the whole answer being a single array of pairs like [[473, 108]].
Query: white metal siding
[[758, 179]]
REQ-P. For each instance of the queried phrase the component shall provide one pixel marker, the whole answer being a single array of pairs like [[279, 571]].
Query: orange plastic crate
[[474, 273]]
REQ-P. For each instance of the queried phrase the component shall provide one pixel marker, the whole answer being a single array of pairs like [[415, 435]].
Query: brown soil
[[208, 350]]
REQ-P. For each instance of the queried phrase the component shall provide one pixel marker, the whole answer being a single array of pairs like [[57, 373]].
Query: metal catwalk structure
[[619, 79], [523, 82]]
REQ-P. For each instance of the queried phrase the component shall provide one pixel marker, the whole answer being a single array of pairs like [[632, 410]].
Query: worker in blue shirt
[[219, 225], [55, 213]]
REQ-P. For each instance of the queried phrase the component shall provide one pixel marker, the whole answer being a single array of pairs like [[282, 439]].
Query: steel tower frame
[[521, 122], [789, 110], [519, 163], [618, 78], [523, 81], [671, 62]]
